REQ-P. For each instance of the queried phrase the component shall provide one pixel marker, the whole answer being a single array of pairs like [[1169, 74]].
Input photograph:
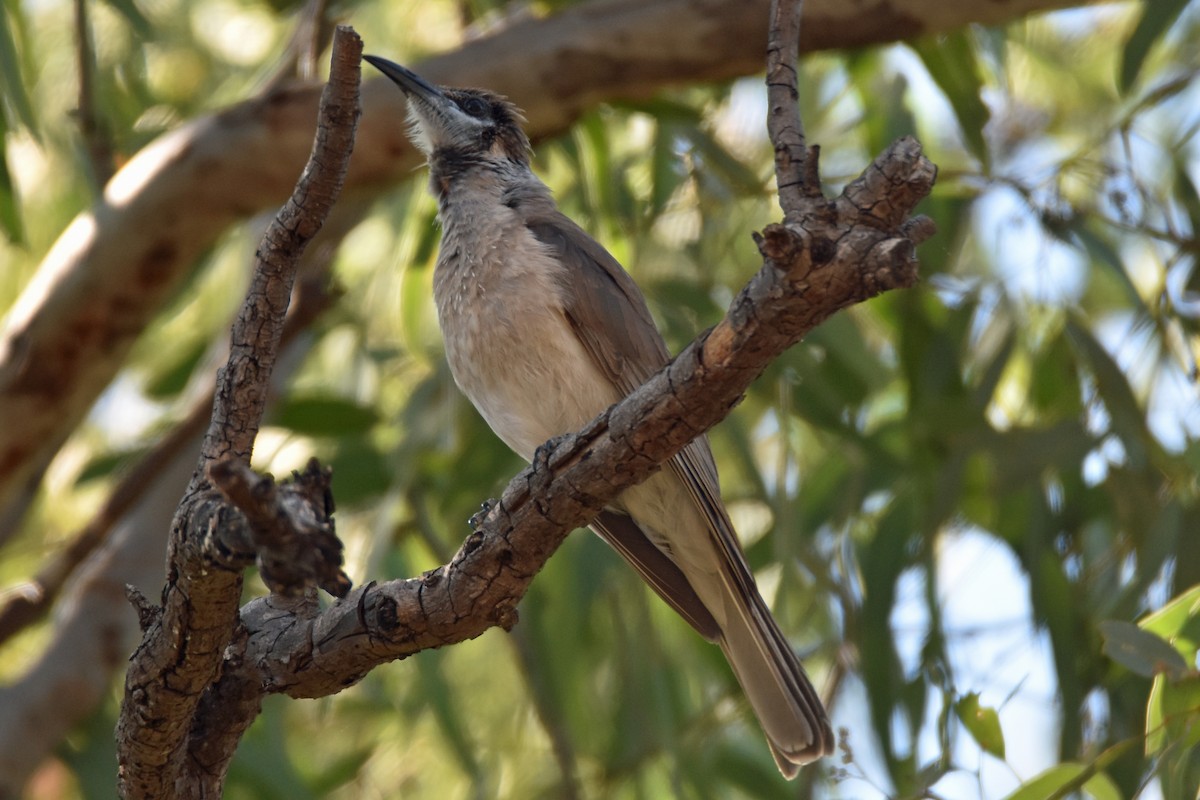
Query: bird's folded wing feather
[[609, 315]]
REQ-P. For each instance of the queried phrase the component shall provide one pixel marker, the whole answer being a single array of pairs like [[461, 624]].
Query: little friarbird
[[543, 330]]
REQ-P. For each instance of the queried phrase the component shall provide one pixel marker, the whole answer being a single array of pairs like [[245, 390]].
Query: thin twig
[[793, 173], [242, 384], [95, 140]]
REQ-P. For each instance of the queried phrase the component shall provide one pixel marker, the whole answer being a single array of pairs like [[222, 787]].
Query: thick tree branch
[[93, 631], [183, 646], [116, 266]]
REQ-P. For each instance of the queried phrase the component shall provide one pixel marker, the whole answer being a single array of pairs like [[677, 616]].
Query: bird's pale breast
[[509, 345]]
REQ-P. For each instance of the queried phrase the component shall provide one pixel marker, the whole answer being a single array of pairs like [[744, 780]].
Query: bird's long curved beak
[[412, 83]]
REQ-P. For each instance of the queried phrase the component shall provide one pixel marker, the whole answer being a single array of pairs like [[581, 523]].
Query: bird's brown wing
[[623, 535], [609, 315], [610, 318], [603, 304]]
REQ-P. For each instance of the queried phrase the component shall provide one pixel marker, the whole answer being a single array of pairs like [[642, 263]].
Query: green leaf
[[1156, 732], [324, 416], [1173, 714], [1170, 620], [1101, 252], [740, 179], [982, 722], [10, 209], [749, 771], [1157, 18], [105, 464], [1054, 782], [663, 109], [1181, 710], [883, 559], [342, 770], [442, 700], [418, 321], [171, 380], [360, 472], [1128, 419], [1186, 193], [12, 89], [595, 153], [262, 768], [1141, 651], [883, 91], [1101, 787], [133, 15], [951, 62], [666, 175], [1054, 383]]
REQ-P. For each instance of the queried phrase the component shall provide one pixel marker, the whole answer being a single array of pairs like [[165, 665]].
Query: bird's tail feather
[[783, 699]]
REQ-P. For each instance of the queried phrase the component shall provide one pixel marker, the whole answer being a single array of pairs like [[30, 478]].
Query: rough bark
[[93, 629], [118, 263], [212, 541]]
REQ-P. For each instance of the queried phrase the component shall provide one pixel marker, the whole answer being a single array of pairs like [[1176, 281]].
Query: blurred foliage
[[973, 504]]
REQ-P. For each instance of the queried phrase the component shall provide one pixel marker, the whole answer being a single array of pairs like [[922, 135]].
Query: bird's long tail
[[783, 699]]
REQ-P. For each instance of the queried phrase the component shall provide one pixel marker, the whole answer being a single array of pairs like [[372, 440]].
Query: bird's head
[[458, 125]]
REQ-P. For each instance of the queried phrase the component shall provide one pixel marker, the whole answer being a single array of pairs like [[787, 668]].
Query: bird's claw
[[477, 518], [541, 456]]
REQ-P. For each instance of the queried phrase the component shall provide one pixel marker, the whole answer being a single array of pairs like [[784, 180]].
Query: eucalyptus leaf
[[1141, 651], [10, 207], [982, 723], [12, 85], [1157, 18], [1170, 620], [324, 415], [1054, 782], [953, 65]]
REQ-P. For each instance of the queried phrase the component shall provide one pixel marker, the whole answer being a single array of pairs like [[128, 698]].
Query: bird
[[544, 330]]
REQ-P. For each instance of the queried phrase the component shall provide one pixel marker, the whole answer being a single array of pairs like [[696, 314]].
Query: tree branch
[[183, 646], [243, 383], [93, 136], [291, 530], [784, 126], [93, 631], [118, 264]]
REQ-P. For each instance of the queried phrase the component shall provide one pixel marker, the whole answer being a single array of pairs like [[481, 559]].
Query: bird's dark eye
[[475, 107]]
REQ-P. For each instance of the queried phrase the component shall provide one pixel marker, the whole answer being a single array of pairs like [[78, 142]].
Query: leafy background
[[974, 504]]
